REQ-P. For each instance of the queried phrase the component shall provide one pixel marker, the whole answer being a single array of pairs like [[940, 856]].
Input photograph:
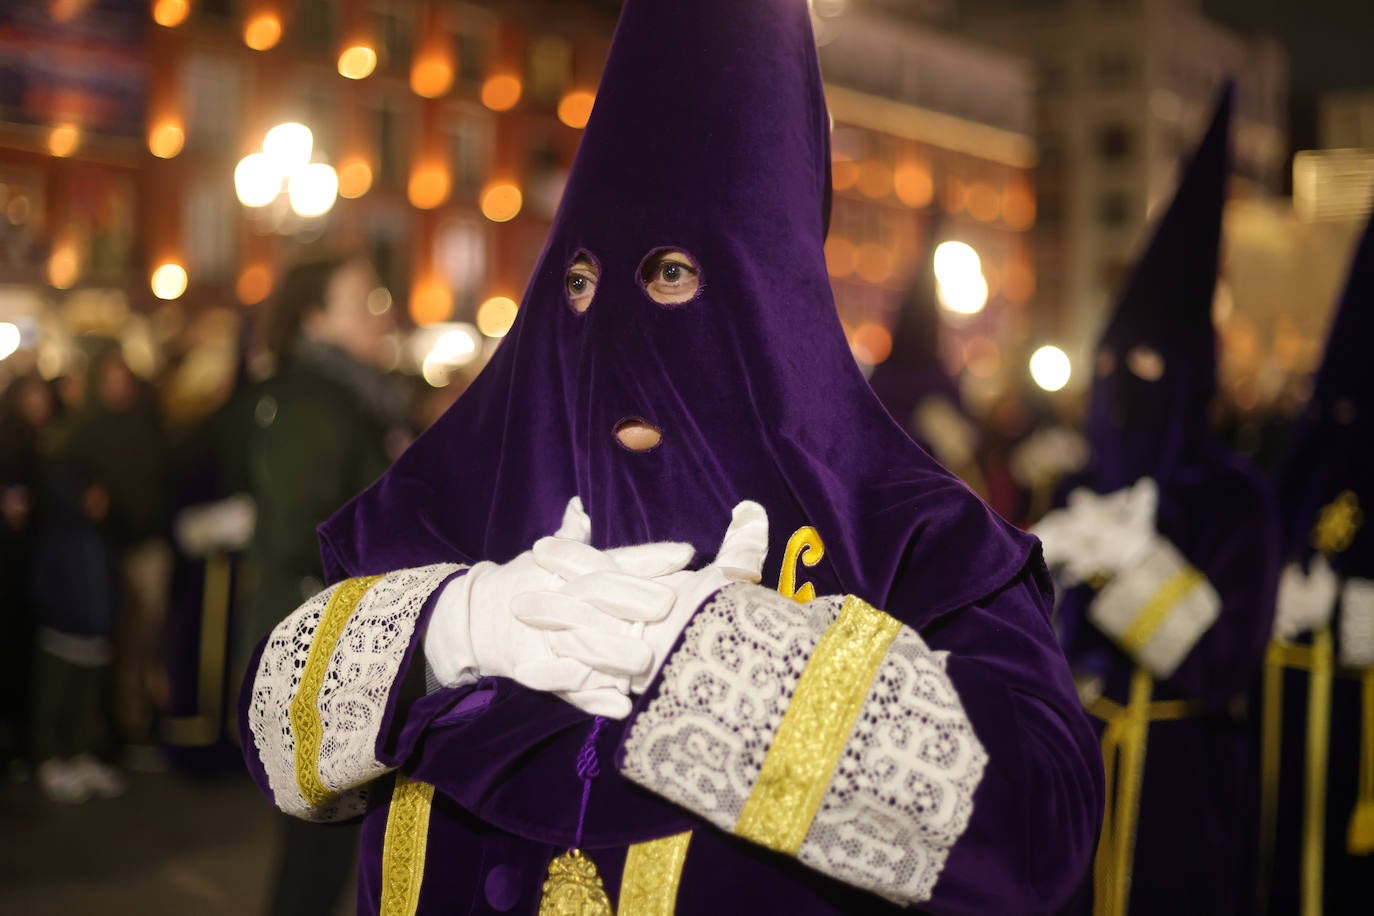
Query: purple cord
[[588, 768]]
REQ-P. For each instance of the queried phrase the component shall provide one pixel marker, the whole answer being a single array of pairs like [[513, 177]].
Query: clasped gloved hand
[[585, 624], [475, 631]]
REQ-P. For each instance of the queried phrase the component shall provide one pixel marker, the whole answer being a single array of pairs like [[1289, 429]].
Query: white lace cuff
[[323, 685], [1157, 609], [1357, 622], [827, 731]]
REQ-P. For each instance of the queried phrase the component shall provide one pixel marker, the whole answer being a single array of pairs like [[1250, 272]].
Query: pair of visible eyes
[[669, 277], [1144, 362]]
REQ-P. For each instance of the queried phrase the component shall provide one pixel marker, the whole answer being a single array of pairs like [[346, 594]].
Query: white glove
[[595, 591], [475, 632], [1063, 536], [1116, 529], [208, 528], [1306, 599]]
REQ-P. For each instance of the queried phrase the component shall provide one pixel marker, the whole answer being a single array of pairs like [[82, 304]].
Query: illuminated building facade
[[932, 142]]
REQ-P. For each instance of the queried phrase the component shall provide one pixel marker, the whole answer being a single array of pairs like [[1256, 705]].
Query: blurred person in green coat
[[318, 430]]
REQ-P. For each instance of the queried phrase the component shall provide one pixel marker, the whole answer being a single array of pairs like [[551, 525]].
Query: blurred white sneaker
[[101, 779], [60, 782]]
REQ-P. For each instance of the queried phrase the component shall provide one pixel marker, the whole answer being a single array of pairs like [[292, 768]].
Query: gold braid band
[[305, 710], [816, 727]]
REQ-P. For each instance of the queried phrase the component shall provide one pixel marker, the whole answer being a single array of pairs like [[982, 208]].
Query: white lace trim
[[353, 697], [902, 792], [1128, 595], [275, 684], [363, 671], [1357, 622]]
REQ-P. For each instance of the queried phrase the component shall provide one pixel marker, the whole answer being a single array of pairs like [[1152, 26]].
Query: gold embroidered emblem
[[804, 548], [1337, 524], [574, 888]]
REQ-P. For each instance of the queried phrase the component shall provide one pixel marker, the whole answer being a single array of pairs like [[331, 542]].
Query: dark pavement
[[171, 845]]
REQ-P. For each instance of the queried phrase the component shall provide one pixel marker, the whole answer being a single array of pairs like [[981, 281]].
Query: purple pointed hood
[[1331, 448], [709, 136], [1142, 426]]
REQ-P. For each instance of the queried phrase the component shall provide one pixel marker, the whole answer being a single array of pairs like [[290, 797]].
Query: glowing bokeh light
[[63, 140], [355, 178], [431, 75], [955, 261], [428, 186], [983, 202], [257, 180], [171, 13], [10, 339], [313, 189], [496, 315], [912, 183], [288, 146], [575, 108], [431, 302], [64, 265], [254, 284], [169, 281], [871, 343], [844, 173], [1050, 368], [166, 140], [965, 296], [262, 32], [839, 256], [357, 62], [501, 202], [875, 180], [501, 92]]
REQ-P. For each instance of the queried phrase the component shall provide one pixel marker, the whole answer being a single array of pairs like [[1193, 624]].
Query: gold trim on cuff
[[653, 871], [816, 727], [305, 710], [1154, 611], [403, 850]]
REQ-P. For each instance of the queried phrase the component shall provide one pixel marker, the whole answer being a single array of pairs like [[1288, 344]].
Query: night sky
[[1328, 40]]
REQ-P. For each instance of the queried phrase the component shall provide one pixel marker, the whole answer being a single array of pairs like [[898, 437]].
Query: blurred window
[[391, 22], [1113, 209], [390, 135], [472, 40], [461, 255], [550, 68], [314, 24], [1115, 142], [1114, 70], [212, 89], [208, 230], [470, 142]]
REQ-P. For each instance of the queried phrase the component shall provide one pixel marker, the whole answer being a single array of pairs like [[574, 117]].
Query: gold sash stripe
[[1154, 612], [403, 849], [304, 709], [1318, 660], [1123, 755], [653, 871], [816, 727]]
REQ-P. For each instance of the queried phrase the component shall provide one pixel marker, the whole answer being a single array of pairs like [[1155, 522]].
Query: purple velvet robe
[[709, 136], [1195, 848]]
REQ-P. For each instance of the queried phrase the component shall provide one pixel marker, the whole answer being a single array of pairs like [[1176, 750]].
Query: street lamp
[[959, 275], [284, 164]]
